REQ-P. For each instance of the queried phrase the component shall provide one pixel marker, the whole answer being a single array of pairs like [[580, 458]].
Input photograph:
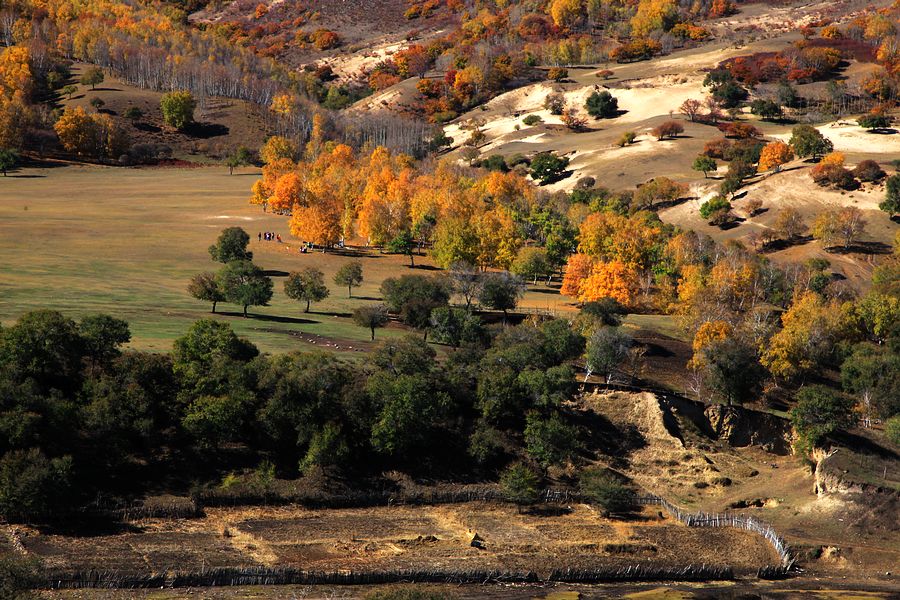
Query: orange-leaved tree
[[773, 155], [614, 280], [578, 268]]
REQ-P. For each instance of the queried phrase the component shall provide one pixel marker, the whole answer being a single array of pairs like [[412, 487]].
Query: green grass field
[[87, 239]]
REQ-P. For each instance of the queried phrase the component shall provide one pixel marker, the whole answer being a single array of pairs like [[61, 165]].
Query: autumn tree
[[578, 268], [843, 226], [610, 280], [319, 222], [658, 189], [773, 155], [94, 135], [708, 333], [789, 224], [204, 286], [667, 129], [178, 109], [92, 76], [807, 340], [691, 108], [277, 147], [307, 286], [351, 275]]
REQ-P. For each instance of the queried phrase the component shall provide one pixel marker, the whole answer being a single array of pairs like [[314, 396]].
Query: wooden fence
[[701, 519]]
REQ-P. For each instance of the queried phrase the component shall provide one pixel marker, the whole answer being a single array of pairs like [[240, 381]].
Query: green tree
[[133, 113], [32, 485], [208, 360], [806, 140], [69, 90], [732, 370], [231, 245], [215, 420], [92, 76], [872, 374], [531, 262], [8, 159], [327, 448], [602, 105], [351, 275], [19, 577], [307, 286], [410, 405], [874, 121], [549, 441], [203, 286], [245, 284], [520, 483], [891, 202], [606, 350], [239, 158], [819, 412], [456, 326], [712, 205], [45, 347], [501, 291], [547, 167], [103, 335], [413, 297], [766, 109], [403, 243], [603, 488], [371, 317], [892, 430], [178, 109], [704, 164]]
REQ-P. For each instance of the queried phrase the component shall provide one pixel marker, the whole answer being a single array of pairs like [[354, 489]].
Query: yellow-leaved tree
[[578, 268]]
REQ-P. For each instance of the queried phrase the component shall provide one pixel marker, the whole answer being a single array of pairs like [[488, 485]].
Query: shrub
[[547, 167], [604, 489], [716, 148], [667, 129], [741, 131], [178, 109], [557, 74], [874, 121], [892, 430], [532, 120], [520, 484], [627, 138], [555, 103], [602, 105], [714, 204], [833, 175], [868, 170]]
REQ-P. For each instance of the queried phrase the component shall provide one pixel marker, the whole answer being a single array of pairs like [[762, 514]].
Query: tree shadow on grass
[[861, 248], [269, 318], [147, 127], [274, 273], [545, 290], [206, 130]]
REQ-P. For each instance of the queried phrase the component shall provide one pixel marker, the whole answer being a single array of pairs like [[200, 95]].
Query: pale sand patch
[[849, 137]]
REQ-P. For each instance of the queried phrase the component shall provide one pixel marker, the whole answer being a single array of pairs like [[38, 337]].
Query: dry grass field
[[420, 538]]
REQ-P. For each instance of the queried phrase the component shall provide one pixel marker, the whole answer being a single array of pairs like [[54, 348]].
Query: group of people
[[269, 236]]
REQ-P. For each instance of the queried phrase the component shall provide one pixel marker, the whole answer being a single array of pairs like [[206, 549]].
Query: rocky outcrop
[[743, 427]]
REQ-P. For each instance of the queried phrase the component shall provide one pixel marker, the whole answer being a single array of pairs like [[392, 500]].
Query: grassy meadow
[[87, 239]]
